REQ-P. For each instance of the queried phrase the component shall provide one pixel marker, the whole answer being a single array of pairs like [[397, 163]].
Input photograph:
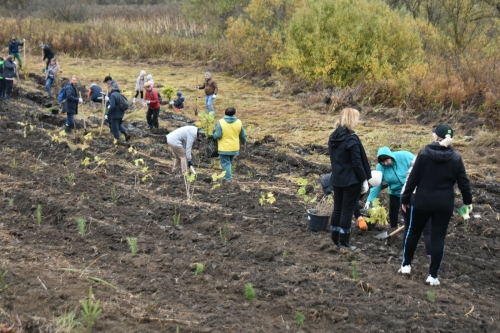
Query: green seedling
[[82, 225], [217, 178], [3, 284], [177, 217], [224, 233], [35, 169], [13, 164], [377, 213], [249, 291], [67, 322], [70, 178], [285, 253], [88, 137], [39, 214], [99, 161], [138, 161], [354, 270], [10, 201], [431, 296], [132, 244], [114, 195], [54, 138], [132, 150], [62, 133], [86, 162], [90, 311], [302, 182], [249, 174], [199, 269], [269, 198], [299, 317]]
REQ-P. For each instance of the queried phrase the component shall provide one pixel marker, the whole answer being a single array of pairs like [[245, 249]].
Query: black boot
[[67, 129], [344, 241], [335, 237], [127, 136]]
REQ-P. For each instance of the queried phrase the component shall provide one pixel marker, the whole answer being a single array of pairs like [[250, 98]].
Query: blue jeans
[[226, 164], [48, 85], [71, 119], [117, 127], [209, 99]]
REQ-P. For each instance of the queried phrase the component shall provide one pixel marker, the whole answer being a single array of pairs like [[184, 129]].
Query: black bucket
[[317, 222]]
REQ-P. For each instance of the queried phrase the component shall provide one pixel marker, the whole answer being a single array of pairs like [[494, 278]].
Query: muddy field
[[51, 265]]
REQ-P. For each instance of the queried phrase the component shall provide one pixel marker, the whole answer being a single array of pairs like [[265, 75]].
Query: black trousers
[[394, 206], [345, 200], [427, 229], [7, 90], [418, 219], [152, 117], [137, 93]]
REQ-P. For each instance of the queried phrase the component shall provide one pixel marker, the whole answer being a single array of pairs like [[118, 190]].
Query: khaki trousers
[[180, 158]]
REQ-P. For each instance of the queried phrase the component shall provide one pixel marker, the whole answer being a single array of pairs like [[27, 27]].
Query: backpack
[[159, 97], [123, 103], [61, 97]]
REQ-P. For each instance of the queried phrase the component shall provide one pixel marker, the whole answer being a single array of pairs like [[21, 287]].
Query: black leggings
[[137, 93], [345, 199], [427, 229], [152, 117], [394, 205], [418, 220]]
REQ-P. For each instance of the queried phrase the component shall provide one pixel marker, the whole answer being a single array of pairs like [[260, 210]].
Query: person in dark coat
[[436, 170], [14, 50], [109, 81], [70, 105], [350, 170], [9, 74], [178, 103], [115, 115], [95, 93], [47, 53]]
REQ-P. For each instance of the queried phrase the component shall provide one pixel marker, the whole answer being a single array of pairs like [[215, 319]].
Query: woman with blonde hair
[[350, 173]]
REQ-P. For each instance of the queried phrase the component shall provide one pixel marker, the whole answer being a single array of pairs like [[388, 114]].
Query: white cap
[[376, 178]]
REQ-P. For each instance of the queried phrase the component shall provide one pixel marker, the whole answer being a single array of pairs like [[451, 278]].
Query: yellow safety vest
[[230, 140]]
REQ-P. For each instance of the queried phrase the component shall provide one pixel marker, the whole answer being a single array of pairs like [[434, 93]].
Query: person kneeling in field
[[181, 142], [178, 103], [230, 133]]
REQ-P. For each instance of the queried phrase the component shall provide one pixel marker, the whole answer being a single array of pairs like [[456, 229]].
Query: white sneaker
[[133, 101], [406, 270], [432, 281]]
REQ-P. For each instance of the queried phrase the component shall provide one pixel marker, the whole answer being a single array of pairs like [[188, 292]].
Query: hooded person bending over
[[181, 142], [394, 166]]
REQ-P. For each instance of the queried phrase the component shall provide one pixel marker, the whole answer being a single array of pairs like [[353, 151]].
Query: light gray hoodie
[[185, 137]]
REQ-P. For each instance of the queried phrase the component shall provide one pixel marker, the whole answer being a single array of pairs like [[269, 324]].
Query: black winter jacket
[[71, 104], [434, 174], [114, 111], [9, 69], [47, 52], [348, 158]]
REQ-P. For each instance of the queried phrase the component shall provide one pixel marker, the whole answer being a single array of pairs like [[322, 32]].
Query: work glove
[[215, 96], [365, 187], [197, 87], [80, 100], [24, 40], [368, 205], [106, 116], [190, 164], [171, 102], [464, 211], [106, 98], [148, 101]]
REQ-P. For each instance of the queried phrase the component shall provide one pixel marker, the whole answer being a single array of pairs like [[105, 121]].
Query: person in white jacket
[[181, 142]]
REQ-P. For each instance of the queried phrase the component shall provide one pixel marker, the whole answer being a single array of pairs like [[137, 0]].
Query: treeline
[[418, 54]]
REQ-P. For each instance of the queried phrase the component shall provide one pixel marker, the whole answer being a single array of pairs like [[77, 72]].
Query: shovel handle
[[396, 231]]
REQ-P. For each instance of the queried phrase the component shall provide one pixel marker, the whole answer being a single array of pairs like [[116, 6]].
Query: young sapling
[[199, 269], [176, 217], [299, 317], [114, 195], [355, 270], [90, 311], [13, 164], [132, 243], [249, 292], [82, 225], [10, 201]]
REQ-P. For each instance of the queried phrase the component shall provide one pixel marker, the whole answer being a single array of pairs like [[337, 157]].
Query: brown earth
[[51, 266]]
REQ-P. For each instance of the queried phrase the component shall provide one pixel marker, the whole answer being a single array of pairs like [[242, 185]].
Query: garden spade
[[192, 170], [386, 235]]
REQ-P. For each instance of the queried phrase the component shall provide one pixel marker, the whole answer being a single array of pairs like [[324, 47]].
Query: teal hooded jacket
[[395, 174]]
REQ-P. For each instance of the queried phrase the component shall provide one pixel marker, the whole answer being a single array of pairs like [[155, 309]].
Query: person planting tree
[[115, 114], [95, 93], [153, 103], [394, 166], [14, 49], [211, 90], [436, 170], [230, 134], [139, 86], [181, 142], [70, 105], [350, 172], [47, 53], [178, 104]]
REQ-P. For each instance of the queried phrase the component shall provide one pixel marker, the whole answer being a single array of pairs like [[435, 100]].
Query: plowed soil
[[51, 265]]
